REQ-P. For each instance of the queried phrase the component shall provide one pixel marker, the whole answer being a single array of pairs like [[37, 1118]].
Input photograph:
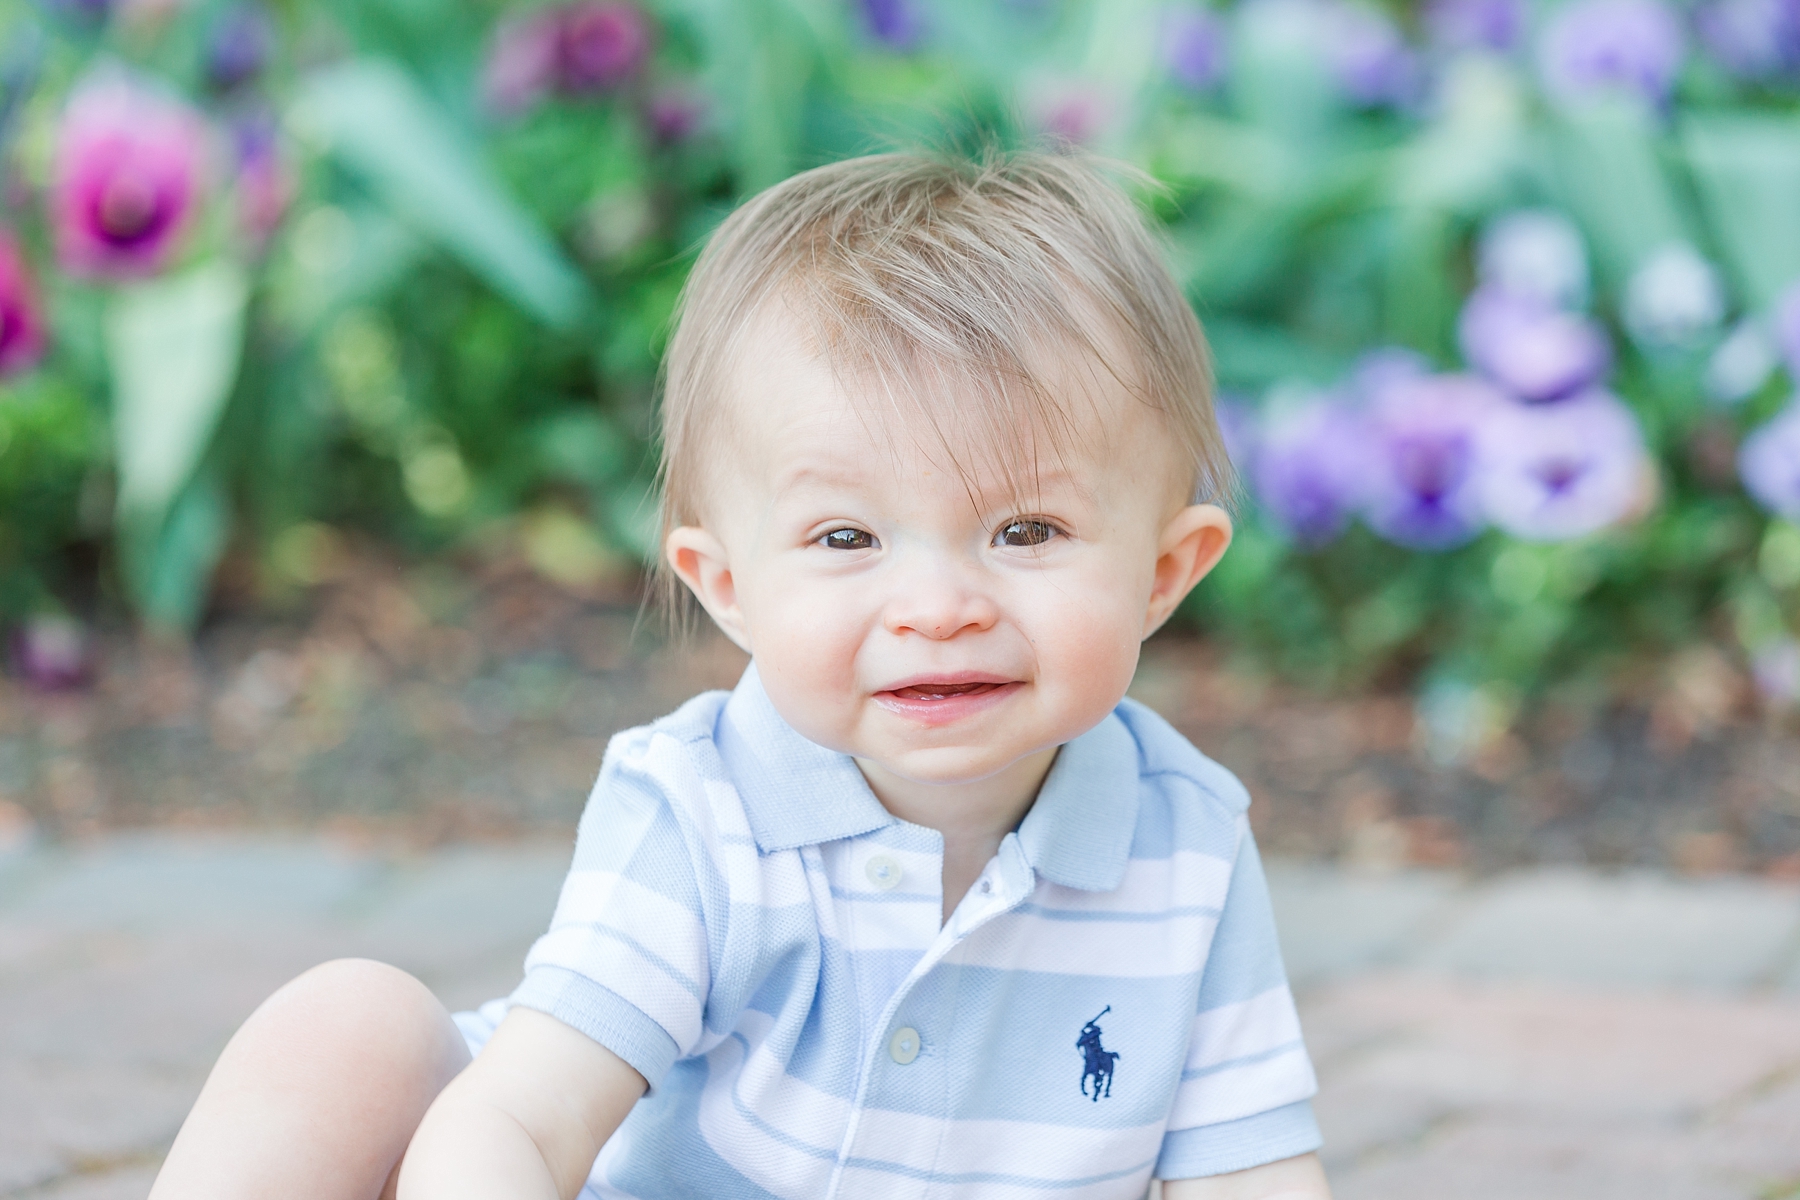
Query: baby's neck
[[973, 817]]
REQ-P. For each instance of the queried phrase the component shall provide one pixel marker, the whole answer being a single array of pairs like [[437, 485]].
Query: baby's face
[[928, 620]]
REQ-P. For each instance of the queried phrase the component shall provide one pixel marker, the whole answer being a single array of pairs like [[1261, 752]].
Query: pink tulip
[[600, 46], [21, 316], [521, 62], [129, 170]]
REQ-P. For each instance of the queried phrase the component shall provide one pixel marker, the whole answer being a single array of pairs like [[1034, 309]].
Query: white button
[[884, 873], [903, 1047], [987, 885]]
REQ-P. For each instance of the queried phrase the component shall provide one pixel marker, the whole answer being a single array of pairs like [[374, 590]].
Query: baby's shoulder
[[674, 756], [1174, 767]]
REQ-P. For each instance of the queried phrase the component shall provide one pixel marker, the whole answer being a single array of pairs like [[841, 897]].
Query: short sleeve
[[1246, 1089], [626, 958]]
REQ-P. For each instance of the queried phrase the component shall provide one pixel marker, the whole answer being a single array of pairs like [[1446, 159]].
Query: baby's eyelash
[[849, 539], [1025, 531]]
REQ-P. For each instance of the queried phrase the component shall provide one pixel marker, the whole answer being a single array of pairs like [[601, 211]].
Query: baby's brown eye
[[849, 539], [1025, 533]]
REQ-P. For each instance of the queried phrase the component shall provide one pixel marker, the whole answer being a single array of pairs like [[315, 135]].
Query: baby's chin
[[946, 766]]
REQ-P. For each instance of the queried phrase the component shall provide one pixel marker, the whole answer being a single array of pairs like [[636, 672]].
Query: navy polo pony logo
[[1097, 1061]]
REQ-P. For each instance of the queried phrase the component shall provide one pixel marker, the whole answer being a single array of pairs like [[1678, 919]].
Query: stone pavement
[[1552, 1035]]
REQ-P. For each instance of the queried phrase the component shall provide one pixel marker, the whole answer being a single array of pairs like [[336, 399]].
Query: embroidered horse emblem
[[1097, 1061]]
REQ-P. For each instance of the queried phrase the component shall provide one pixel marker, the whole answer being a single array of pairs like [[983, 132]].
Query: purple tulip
[[1752, 39], [1787, 329], [521, 62], [600, 46], [1194, 48], [52, 653], [1550, 472], [1532, 350], [1308, 469], [1593, 46], [1536, 253], [127, 178], [1497, 25], [238, 47], [21, 314], [1369, 58], [896, 24], [1421, 489], [1769, 463], [674, 114]]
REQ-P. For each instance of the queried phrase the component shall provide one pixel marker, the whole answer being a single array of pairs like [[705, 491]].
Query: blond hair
[[919, 270]]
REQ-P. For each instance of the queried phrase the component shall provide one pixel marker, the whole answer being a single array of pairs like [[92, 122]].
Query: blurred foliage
[[429, 301]]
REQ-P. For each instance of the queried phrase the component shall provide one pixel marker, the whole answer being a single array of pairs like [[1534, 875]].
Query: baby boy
[[925, 907]]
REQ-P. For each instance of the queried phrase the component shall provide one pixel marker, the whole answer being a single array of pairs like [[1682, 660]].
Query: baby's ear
[[1191, 544], [699, 560]]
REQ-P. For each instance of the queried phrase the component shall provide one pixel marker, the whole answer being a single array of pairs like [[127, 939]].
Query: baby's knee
[[373, 1013]]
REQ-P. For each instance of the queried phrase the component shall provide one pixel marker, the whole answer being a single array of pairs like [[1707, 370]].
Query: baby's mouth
[[944, 691]]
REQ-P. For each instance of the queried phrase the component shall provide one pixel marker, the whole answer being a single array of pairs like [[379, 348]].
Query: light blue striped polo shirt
[[746, 925]]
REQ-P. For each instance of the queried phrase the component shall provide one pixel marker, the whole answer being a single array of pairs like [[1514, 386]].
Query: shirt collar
[[795, 791], [798, 793], [1079, 831]]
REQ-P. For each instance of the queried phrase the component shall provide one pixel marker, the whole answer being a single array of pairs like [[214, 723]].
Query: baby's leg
[[320, 1091]]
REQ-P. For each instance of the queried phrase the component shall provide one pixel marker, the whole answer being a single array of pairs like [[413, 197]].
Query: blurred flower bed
[[1503, 299], [425, 701]]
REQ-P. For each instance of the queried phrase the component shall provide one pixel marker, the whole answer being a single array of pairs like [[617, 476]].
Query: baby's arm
[[525, 1120], [1299, 1178]]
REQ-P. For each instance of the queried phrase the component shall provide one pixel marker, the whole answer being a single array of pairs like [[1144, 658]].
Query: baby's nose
[[940, 608]]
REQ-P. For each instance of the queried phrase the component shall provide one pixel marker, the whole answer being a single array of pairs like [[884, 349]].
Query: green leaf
[[173, 347], [1606, 159], [169, 567], [372, 117], [1748, 172]]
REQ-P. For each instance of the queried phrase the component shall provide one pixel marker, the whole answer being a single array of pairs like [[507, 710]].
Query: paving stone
[[1553, 1090], [1636, 931], [150, 881], [130, 1183], [1334, 922]]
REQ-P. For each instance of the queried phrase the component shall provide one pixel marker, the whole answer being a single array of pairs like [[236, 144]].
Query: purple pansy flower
[[52, 652], [1239, 427], [1476, 24], [1769, 463], [1594, 46], [1775, 666], [1381, 368], [21, 314], [1555, 471], [600, 46], [1752, 39], [1194, 48], [1369, 58], [1532, 350], [1674, 298], [1308, 469], [1536, 253], [896, 24], [1421, 489], [238, 46], [1786, 321], [127, 178]]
